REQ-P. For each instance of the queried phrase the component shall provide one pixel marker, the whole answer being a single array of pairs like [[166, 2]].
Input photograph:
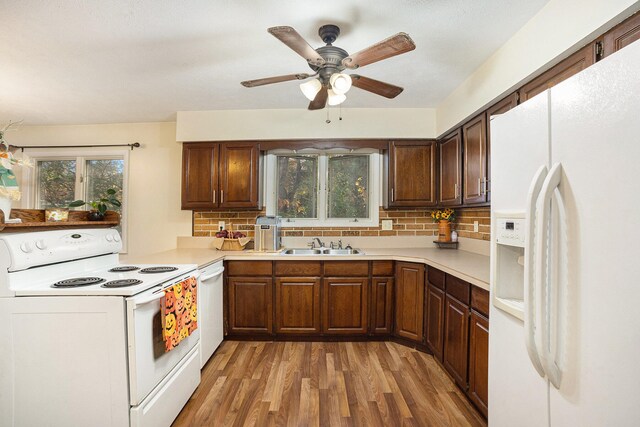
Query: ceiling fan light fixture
[[340, 83], [311, 88], [335, 98]]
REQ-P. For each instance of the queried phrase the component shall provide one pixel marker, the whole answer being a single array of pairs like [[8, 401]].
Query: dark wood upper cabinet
[[577, 62], [412, 174], [199, 175], [479, 362], [409, 310], [381, 305], [621, 35], [474, 165], [297, 305], [450, 170], [456, 340], [434, 320], [239, 175], [220, 175], [345, 306], [250, 305]]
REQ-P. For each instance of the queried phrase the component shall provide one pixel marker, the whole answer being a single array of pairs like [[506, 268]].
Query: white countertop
[[468, 266]]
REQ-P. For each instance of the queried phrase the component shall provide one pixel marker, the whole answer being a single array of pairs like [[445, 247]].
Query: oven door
[[149, 364]]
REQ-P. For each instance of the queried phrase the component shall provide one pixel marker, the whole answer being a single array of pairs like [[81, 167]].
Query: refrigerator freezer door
[[596, 137], [519, 147]]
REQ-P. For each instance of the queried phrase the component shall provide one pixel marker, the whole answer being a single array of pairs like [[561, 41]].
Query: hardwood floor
[[325, 384]]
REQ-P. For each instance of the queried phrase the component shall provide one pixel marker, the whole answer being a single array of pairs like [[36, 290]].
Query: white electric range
[[81, 335]]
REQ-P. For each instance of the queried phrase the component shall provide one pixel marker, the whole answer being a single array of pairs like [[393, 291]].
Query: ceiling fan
[[328, 63]]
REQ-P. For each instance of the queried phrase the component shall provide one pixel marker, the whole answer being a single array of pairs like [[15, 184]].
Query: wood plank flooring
[[325, 384]]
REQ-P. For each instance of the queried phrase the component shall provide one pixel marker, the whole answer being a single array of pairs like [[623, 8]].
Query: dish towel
[[179, 312]]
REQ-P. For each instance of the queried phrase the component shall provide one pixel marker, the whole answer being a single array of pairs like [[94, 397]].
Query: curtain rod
[[134, 145]]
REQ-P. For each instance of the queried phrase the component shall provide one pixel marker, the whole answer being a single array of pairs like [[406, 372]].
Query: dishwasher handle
[[216, 273]]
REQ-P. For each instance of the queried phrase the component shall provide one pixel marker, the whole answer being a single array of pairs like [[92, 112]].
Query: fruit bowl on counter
[[228, 240]]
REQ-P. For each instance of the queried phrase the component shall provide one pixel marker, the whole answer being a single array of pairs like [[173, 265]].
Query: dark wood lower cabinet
[[409, 309], [434, 323], [345, 306], [381, 305], [297, 305], [479, 362], [250, 305], [456, 340]]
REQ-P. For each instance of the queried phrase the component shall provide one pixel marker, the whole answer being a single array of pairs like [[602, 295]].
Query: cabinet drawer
[[436, 277], [346, 268], [249, 268], [382, 268], [459, 289], [480, 300], [298, 268]]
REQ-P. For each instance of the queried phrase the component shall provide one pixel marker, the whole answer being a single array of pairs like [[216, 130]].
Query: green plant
[[101, 204]]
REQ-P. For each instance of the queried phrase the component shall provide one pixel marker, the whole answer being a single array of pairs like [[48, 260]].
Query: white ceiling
[[77, 62]]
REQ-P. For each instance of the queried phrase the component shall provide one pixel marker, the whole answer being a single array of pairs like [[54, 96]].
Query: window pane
[[56, 183], [297, 185], [103, 175], [348, 187]]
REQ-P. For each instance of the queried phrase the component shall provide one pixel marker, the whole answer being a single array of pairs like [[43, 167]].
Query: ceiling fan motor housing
[[333, 57]]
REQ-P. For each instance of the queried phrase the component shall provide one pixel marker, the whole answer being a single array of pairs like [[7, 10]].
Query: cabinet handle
[[221, 196], [214, 196], [392, 194], [480, 186], [455, 189]]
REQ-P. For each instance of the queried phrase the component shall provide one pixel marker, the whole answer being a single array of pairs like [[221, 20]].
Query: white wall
[[301, 123], [155, 218], [559, 29]]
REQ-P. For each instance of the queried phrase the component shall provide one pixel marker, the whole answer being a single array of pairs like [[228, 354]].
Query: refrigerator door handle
[[547, 292], [529, 288]]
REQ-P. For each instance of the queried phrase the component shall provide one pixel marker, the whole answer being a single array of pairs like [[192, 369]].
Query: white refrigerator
[[564, 346]]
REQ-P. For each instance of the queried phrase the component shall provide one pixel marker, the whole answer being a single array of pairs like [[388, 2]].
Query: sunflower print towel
[[179, 312]]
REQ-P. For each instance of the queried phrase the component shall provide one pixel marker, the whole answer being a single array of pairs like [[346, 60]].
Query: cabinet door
[[622, 35], [565, 69], [479, 361], [239, 175], [456, 340], [345, 306], [199, 175], [409, 312], [499, 108], [381, 305], [250, 305], [450, 170], [298, 305], [474, 149], [412, 178], [434, 322]]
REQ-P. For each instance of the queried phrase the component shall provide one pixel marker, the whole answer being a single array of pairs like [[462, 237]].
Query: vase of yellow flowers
[[444, 218], [9, 190]]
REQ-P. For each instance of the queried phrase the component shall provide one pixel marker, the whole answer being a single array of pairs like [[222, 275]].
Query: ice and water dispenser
[[507, 262]]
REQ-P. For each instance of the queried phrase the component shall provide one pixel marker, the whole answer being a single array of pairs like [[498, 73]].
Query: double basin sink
[[321, 251]]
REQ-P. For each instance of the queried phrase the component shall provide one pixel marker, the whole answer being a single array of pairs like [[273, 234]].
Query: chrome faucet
[[312, 244]]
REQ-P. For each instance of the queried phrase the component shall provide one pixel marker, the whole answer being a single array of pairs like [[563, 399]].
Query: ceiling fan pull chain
[[340, 117], [328, 120]]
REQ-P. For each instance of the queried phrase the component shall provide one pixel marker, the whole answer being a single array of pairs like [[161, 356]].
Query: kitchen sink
[[321, 251]]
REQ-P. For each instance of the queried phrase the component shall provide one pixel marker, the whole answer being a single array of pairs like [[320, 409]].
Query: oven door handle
[[151, 298]]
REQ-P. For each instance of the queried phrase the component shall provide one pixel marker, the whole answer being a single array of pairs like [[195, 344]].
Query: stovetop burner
[[124, 268], [159, 269], [78, 281], [121, 283]]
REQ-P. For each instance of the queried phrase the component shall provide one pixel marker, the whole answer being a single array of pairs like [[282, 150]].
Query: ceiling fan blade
[[275, 79], [395, 45], [320, 100], [291, 38], [376, 86]]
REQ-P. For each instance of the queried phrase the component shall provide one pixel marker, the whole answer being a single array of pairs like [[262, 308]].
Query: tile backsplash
[[409, 222]]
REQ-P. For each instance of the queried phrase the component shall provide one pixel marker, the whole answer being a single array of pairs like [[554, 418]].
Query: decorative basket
[[231, 244]]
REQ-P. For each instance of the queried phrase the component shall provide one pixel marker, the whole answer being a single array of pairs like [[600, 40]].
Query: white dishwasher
[[210, 308]]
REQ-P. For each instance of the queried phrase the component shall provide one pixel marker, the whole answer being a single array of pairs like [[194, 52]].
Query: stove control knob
[[109, 237], [40, 244], [25, 247], [116, 238]]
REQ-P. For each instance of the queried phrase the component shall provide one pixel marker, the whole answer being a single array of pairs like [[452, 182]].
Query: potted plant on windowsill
[[98, 207]]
